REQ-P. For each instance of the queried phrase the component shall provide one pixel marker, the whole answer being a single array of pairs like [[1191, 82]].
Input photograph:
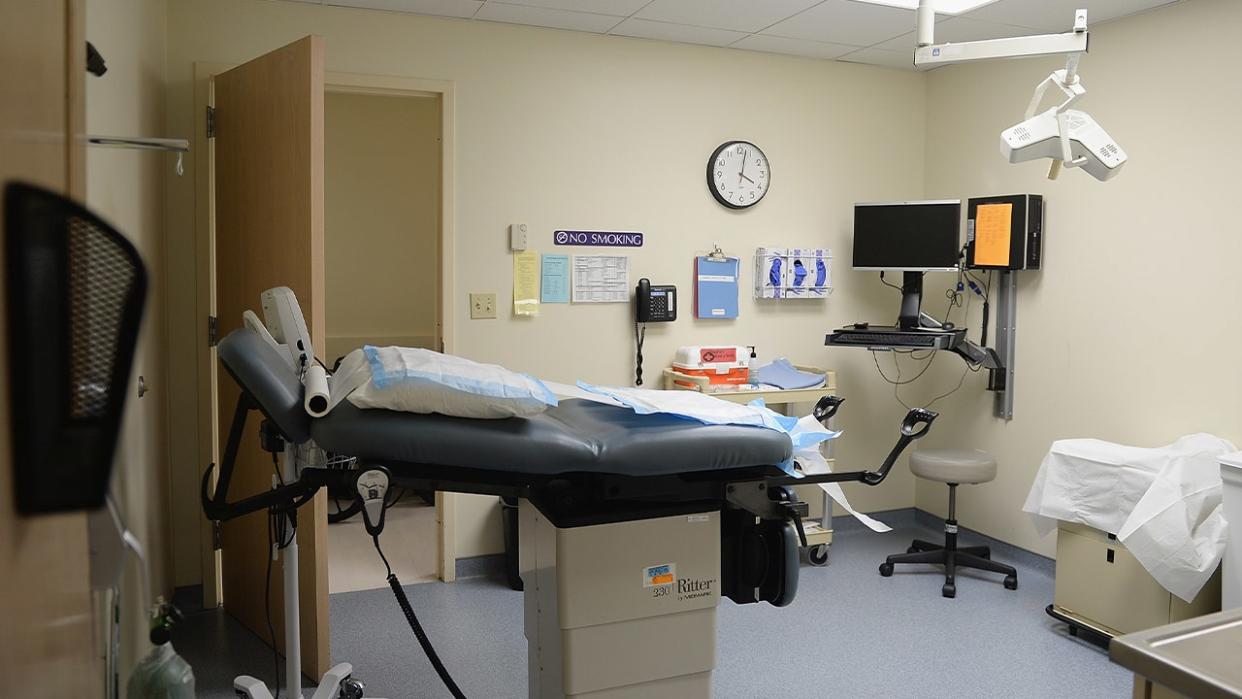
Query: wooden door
[[268, 149], [45, 600]]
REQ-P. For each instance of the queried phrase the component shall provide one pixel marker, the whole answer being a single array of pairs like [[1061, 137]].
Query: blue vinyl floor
[[849, 633]]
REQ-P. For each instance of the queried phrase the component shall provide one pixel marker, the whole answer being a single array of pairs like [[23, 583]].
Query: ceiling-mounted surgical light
[[1069, 136]]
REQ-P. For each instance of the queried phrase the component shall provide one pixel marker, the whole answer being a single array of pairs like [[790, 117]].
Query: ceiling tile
[[957, 29], [646, 29], [846, 22], [446, 8], [544, 17], [617, 8], [1058, 15], [794, 47], [737, 15], [879, 57]]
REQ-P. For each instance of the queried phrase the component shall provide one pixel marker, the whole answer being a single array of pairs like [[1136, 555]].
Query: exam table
[[632, 526]]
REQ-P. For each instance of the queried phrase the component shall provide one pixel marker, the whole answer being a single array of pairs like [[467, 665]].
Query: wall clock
[[738, 174]]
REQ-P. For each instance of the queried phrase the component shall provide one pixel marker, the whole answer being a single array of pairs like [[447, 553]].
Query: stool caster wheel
[[886, 569], [949, 590], [912, 549], [818, 555], [1011, 582]]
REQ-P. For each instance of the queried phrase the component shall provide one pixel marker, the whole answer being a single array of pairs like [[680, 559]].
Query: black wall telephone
[[655, 304]]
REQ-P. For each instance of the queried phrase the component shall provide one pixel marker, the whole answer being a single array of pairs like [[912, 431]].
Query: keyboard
[[889, 336]]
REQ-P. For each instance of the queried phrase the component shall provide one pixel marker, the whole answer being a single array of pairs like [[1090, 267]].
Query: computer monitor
[[913, 237], [907, 236]]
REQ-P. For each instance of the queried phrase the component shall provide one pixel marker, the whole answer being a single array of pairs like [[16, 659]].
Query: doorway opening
[[382, 182]]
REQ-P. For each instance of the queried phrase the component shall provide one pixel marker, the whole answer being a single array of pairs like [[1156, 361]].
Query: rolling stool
[[954, 467]]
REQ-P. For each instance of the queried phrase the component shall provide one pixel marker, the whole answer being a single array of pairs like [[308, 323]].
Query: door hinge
[[217, 536], [211, 122], [213, 331]]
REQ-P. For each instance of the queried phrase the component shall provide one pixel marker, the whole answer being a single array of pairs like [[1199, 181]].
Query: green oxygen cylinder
[[162, 674]]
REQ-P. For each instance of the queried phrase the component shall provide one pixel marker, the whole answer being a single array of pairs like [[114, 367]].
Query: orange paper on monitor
[[992, 234]]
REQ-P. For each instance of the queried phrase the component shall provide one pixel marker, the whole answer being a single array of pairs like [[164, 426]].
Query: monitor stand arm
[[975, 355], [911, 300]]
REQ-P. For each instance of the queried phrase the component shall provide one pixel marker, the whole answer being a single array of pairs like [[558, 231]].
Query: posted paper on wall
[[554, 285], [601, 279], [525, 283]]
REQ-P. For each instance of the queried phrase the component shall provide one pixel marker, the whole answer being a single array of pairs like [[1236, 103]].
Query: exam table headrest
[[261, 372]]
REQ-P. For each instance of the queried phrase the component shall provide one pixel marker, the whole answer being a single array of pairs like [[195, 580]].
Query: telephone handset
[[656, 304]]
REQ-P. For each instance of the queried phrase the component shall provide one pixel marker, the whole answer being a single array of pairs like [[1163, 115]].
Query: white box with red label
[[721, 364]]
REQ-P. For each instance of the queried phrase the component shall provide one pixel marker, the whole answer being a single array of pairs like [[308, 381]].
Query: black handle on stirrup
[[916, 424], [826, 407]]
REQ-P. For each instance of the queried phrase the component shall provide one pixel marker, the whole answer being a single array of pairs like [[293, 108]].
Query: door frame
[[204, 233]]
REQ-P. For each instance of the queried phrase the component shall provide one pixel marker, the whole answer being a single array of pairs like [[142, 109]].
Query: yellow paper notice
[[992, 234], [525, 283]]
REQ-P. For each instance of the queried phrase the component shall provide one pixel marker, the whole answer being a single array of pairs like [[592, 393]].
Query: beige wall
[[126, 188], [1128, 333], [559, 129], [381, 219]]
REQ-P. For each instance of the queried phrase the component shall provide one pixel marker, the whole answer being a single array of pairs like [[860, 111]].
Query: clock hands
[[741, 173], [744, 177]]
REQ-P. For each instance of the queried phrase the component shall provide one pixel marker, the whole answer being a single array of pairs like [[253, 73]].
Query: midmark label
[[663, 574]]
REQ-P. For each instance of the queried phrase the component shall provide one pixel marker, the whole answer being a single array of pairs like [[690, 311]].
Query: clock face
[[738, 174]]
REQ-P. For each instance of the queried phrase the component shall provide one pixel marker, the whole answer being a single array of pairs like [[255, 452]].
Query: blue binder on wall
[[715, 287]]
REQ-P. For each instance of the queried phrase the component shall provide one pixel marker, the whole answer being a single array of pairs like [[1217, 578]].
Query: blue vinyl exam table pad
[[576, 436]]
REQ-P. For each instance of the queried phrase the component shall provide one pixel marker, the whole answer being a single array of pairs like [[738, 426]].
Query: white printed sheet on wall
[[601, 279]]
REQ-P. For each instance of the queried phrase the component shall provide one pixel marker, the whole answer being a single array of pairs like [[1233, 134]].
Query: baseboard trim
[[490, 565]]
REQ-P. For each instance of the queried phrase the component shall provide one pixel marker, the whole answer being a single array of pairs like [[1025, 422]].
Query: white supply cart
[[818, 525]]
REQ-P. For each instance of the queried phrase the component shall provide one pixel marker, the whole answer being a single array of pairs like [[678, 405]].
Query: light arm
[[930, 54]]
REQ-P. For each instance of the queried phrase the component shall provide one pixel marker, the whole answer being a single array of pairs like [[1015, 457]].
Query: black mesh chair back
[[75, 289]]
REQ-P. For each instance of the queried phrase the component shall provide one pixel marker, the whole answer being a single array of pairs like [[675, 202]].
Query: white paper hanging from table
[[601, 279]]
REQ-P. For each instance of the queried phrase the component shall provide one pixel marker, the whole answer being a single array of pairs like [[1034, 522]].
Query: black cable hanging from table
[[416, 627]]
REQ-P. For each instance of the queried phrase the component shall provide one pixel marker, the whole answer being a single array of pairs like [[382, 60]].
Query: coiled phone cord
[[640, 334], [421, 635]]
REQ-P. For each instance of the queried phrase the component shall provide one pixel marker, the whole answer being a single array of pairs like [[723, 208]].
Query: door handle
[[142, 386]]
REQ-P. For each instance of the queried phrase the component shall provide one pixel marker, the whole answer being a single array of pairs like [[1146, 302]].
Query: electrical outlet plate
[[482, 306]]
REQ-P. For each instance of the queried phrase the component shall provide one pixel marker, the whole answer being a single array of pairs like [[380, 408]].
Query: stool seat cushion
[[953, 465]]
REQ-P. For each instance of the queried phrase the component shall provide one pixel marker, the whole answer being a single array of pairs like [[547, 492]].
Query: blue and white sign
[[600, 239]]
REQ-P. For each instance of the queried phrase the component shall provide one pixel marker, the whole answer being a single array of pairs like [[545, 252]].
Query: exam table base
[[601, 625]]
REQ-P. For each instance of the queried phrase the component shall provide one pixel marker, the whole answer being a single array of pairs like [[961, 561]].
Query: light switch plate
[[482, 306]]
